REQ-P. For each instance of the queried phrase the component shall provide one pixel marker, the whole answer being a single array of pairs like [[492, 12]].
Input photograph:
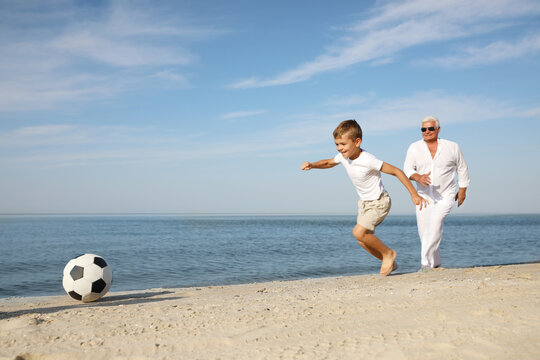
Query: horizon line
[[234, 214]]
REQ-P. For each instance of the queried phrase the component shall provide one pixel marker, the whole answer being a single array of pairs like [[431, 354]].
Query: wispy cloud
[[349, 100], [239, 114], [380, 115], [396, 26], [71, 145], [171, 76], [67, 136], [65, 51], [112, 50], [37, 131], [405, 112], [491, 53], [534, 113]]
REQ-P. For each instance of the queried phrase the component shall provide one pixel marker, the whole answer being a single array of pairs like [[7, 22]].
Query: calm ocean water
[[179, 251]]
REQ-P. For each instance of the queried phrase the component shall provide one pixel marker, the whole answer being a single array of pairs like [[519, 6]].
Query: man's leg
[[376, 247], [430, 228], [423, 219]]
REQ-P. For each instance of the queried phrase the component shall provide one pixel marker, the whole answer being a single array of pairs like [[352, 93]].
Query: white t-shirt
[[365, 174], [443, 166]]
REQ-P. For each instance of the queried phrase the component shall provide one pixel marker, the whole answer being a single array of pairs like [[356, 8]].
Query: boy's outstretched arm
[[392, 170], [321, 164]]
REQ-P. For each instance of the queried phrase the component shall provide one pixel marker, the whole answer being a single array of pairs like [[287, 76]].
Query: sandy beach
[[473, 313]]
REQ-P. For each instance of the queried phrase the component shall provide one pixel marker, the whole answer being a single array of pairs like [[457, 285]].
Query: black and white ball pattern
[[87, 277]]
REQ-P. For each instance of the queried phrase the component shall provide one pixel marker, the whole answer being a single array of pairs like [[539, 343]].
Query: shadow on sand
[[115, 300]]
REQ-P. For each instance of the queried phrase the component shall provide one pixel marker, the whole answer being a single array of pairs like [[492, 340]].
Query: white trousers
[[430, 228]]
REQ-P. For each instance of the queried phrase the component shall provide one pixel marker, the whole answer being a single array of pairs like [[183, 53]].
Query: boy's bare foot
[[388, 264]]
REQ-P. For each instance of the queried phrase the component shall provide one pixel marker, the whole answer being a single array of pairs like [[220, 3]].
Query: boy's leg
[[360, 233], [370, 214], [376, 247]]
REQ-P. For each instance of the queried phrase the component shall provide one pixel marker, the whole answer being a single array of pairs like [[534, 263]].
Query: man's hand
[[460, 196], [306, 166], [418, 200], [423, 180]]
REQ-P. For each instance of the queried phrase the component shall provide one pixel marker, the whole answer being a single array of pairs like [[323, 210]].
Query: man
[[432, 162]]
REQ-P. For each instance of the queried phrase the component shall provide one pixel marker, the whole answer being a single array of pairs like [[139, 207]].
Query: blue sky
[[212, 106]]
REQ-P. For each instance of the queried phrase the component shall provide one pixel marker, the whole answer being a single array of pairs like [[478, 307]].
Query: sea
[[170, 251]]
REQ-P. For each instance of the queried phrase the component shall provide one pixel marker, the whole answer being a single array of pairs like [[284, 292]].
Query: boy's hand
[[306, 166], [418, 200]]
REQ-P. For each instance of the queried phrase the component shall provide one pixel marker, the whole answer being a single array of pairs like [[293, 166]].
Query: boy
[[364, 170]]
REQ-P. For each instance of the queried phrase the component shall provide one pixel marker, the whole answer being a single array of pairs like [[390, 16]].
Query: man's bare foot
[[388, 263]]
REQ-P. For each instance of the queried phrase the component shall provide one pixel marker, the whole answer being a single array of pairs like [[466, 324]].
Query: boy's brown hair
[[348, 128]]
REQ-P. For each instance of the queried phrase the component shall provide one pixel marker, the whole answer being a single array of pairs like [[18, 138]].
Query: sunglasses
[[431, 128]]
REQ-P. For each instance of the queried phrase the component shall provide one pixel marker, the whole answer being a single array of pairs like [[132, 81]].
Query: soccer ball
[[87, 277]]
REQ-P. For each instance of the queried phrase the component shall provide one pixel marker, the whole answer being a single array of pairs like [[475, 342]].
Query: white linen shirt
[[365, 174], [443, 166]]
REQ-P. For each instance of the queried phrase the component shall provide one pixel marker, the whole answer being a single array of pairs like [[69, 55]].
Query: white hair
[[432, 118]]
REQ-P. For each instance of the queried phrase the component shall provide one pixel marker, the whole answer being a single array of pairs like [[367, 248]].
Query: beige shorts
[[372, 212]]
